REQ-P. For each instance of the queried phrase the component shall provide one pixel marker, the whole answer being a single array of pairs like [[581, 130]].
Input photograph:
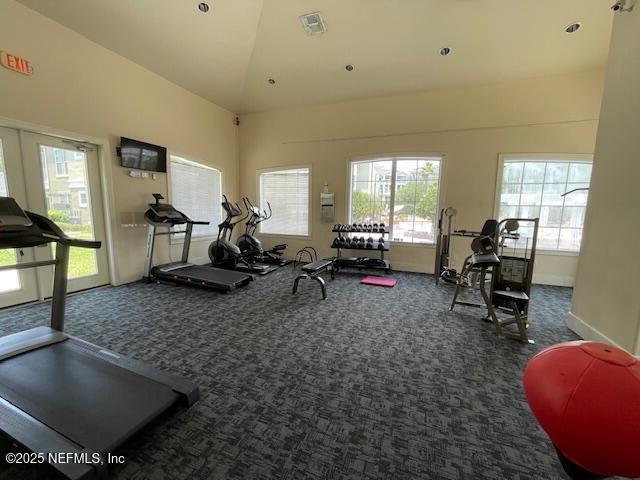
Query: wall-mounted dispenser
[[327, 207]]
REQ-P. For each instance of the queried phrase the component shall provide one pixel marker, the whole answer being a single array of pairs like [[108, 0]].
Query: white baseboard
[[586, 331], [410, 267], [555, 280]]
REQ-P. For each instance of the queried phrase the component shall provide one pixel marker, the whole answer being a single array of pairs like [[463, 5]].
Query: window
[[401, 192], [45, 168], [531, 186], [287, 191], [83, 199], [196, 190], [62, 168]]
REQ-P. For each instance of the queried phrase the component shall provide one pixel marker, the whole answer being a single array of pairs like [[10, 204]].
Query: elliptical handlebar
[[267, 217]]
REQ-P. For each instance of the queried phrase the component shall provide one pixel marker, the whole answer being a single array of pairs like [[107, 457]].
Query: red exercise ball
[[586, 396]]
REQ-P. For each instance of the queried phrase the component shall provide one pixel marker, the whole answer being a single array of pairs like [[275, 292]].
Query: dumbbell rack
[[361, 262]]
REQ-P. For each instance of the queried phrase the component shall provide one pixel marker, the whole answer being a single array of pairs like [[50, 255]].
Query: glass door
[[63, 183], [16, 286]]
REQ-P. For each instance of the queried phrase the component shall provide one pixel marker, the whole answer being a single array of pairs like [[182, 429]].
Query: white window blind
[[196, 190], [288, 193]]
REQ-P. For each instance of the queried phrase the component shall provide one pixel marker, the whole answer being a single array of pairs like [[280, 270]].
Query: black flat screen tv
[[142, 156]]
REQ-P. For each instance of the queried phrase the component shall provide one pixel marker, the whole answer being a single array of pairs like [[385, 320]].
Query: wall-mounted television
[[142, 156]]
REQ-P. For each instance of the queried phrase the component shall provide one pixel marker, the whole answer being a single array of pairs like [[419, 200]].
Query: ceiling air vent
[[313, 23]]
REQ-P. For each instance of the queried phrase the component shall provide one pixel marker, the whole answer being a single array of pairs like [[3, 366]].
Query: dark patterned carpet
[[372, 383]]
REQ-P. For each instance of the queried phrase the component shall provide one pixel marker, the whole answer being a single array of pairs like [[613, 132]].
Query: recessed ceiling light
[[572, 28], [203, 7], [271, 81], [348, 67], [445, 51]]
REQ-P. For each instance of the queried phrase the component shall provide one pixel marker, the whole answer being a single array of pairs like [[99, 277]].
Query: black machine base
[[362, 263], [202, 276], [73, 396]]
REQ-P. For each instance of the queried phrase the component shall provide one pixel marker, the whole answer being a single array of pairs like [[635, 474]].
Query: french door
[[16, 286], [61, 180]]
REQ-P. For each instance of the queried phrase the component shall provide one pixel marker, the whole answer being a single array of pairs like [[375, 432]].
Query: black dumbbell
[[370, 242]]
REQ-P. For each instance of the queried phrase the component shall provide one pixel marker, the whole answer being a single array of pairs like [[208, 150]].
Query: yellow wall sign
[[15, 63]]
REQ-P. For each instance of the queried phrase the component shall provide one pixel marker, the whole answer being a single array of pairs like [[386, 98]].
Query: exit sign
[[15, 63]]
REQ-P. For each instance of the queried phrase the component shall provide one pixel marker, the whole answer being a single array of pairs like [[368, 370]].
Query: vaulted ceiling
[[227, 54]]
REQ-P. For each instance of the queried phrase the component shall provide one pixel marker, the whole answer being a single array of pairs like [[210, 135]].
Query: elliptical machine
[[250, 245], [223, 253]]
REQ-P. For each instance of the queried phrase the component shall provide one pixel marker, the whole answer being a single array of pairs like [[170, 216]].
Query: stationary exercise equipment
[[509, 259], [164, 215], [305, 252], [443, 269], [585, 396], [225, 254], [251, 246], [313, 269], [62, 395], [343, 241]]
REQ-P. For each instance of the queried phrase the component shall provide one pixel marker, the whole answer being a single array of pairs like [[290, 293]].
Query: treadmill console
[[12, 217], [164, 213], [164, 210]]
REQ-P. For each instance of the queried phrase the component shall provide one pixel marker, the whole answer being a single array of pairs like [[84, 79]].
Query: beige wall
[[606, 304], [81, 87], [470, 125]]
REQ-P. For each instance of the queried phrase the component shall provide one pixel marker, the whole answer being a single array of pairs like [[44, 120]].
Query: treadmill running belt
[[92, 402], [203, 273]]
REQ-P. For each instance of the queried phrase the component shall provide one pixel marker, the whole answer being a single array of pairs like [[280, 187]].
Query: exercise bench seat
[[313, 270], [512, 294]]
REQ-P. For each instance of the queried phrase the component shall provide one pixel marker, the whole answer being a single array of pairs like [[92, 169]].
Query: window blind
[[288, 193], [196, 190]]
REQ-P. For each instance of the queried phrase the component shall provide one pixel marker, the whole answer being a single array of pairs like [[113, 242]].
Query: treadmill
[[182, 272], [65, 399]]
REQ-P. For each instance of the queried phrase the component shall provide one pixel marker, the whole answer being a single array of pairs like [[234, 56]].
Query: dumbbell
[[381, 243], [369, 243]]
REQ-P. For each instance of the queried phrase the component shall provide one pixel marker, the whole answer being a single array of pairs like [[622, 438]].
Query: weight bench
[[313, 270]]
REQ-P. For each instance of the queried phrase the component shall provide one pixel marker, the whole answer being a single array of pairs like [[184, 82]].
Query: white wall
[[472, 126], [606, 303], [79, 86]]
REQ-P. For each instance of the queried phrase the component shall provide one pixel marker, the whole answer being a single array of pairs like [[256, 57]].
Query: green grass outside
[[82, 261]]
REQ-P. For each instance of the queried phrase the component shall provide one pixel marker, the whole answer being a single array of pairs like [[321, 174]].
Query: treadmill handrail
[[76, 242], [42, 231]]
